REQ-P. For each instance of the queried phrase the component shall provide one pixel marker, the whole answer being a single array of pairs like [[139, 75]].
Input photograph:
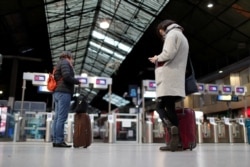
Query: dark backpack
[[79, 104]]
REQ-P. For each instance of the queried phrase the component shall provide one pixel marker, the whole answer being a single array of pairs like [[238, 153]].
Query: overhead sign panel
[[201, 87], [83, 80], [149, 84], [240, 90], [226, 89], [39, 79], [212, 88], [101, 83]]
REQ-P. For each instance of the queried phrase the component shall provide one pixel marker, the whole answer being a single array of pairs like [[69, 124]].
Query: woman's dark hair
[[66, 54], [163, 25]]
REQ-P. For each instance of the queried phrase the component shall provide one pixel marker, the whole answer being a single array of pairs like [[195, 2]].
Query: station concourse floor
[[40, 154]]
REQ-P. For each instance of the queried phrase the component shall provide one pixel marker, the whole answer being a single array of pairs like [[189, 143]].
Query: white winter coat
[[170, 78]]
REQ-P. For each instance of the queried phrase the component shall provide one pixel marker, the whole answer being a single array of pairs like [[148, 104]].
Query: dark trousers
[[166, 109]]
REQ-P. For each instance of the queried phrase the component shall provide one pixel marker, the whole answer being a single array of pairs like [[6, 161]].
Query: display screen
[[133, 90], [227, 98], [240, 90], [201, 87], [213, 88], [100, 81], [227, 89], [39, 78], [152, 85], [83, 80]]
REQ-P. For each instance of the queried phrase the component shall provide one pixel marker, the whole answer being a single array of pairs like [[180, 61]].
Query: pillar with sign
[[38, 79]]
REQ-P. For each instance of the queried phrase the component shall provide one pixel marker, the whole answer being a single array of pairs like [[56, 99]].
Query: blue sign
[[133, 90]]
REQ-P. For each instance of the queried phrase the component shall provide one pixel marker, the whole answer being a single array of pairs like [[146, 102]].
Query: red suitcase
[[187, 128], [82, 136]]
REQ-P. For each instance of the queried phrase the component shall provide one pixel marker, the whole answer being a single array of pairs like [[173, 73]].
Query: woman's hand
[[153, 59]]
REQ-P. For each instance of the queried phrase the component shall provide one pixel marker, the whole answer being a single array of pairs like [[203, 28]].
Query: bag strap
[[191, 65]]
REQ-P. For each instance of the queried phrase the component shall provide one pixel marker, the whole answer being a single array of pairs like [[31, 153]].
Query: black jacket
[[64, 76]]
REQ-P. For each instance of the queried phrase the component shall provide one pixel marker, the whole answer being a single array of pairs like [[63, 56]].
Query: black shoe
[[63, 144]]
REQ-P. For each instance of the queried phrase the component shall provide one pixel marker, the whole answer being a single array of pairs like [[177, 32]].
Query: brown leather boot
[[165, 148], [174, 138]]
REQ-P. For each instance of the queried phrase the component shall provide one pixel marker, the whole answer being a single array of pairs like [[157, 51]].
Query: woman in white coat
[[170, 68]]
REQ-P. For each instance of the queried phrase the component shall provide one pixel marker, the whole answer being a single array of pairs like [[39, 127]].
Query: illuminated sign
[[43, 89], [239, 90], [83, 80], [151, 84], [100, 82], [227, 98], [201, 87], [226, 89], [39, 77], [133, 90], [3, 122], [212, 89]]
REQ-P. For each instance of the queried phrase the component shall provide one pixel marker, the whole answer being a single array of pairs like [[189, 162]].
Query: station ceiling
[[36, 32]]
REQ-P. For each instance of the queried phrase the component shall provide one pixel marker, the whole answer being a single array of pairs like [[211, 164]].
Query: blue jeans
[[62, 106]]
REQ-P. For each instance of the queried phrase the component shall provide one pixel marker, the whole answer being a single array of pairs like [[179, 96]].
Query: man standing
[[64, 76]]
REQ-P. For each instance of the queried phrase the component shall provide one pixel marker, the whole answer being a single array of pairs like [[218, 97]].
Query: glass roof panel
[[74, 25]]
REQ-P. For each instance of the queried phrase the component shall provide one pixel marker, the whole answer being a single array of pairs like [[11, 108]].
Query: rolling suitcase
[[82, 136], [187, 128]]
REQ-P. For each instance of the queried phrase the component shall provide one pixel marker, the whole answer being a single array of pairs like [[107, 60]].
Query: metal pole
[[110, 92], [22, 113]]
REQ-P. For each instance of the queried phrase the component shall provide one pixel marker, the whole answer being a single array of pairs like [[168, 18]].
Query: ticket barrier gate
[[236, 130], [35, 126], [48, 135], [209, 131], [158, 131], [126, 128], [223, 132], [17, 126], [199, 126]]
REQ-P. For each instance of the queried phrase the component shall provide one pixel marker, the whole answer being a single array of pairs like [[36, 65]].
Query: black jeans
[[166, 109]]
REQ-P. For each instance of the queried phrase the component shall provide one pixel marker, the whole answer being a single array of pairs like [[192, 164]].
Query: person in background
[[170, 68], [64, 76]]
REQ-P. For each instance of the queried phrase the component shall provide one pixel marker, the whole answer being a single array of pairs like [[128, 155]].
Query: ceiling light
[[220, 71], [210, 5], [104, 24]]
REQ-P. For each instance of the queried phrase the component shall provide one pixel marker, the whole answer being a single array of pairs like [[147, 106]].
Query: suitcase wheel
[[191, 146], [75, 146]]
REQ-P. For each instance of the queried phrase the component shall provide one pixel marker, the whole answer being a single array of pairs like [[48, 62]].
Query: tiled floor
[[35, 154]]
